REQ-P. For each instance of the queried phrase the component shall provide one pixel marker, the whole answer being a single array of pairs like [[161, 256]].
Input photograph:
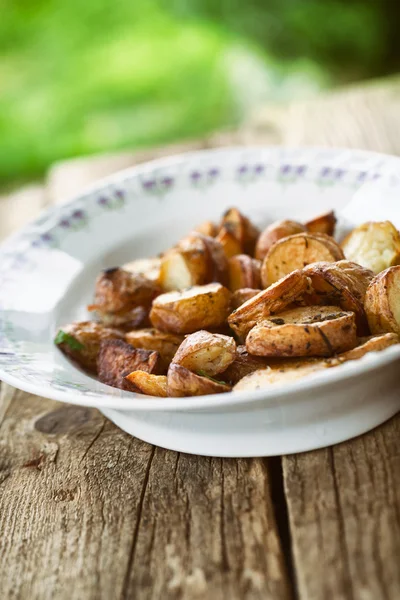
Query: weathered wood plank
[[344, 508], [86, 511]]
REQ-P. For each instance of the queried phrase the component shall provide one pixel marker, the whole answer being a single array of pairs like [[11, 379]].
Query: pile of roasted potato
[[230, 307]]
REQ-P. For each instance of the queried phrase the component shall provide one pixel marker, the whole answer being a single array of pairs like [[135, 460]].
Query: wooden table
[[89, 513]]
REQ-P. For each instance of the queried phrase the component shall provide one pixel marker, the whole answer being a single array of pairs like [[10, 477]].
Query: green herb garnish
[[204, 374], [66, 338]]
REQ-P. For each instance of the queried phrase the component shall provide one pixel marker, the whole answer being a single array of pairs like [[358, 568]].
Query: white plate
[[47, 273]]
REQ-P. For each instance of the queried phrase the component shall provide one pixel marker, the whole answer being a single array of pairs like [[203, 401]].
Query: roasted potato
[[264, 378], [244, 272], [298, 251], [268, 302], [324, 223], [181, 382], [373, 343], [206, 353], [149, 267], [239, 297], [166, 344], [243, 365], [188, 311], [196, 260], [207, 228], [123, 298], [343, 284], [274, 232], [230, 244], [242, 229], [375, 246], [117, 359], [304, 331], [149, 384], [81, 341], [382, 302]]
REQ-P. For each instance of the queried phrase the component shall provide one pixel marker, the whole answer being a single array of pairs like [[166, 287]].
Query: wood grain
[[344, 517], [86, 511]]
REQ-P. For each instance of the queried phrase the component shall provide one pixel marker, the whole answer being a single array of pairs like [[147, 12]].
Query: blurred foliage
[[82, 77]]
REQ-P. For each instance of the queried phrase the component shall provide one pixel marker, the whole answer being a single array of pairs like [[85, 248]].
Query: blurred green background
[[84, 77]]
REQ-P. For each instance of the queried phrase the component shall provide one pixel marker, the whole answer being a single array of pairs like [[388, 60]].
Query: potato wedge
[[230, 244], [166, 344], [268, 302], [187, 311], [206, 353], [304, 331], [375, 246], [324, 223], [121, 297], [243, 365], [244, 272], [181, 382], [239, 297], [196, 260], [373, 343], [343, 284], [382, 302], [149, 267], [265, 378], [242, 229], [298, 251], [207, 228], [148, 383], [117, 359], [274, 232], [81, 341]]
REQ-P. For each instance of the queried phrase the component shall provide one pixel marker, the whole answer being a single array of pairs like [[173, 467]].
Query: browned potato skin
[[342, 283], [207, 228], [166, 344], [367, 235], [309, 331], [324, 223], [243, 365], [296, 252], [90, 335], [120, 296], [244, 272], [148, 383], [239, 297], [202, 259], [268, 302], [208, 352], [242, 229], [117, 359], [374, 343], [274, 232], [382, 302], [230, 244], [188, 311], [181, 382]]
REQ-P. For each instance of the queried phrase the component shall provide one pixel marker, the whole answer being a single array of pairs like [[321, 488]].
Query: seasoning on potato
[[304, 331], [187, 311], [241, 228], [81, 342], [298, 251], [268, 302]]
